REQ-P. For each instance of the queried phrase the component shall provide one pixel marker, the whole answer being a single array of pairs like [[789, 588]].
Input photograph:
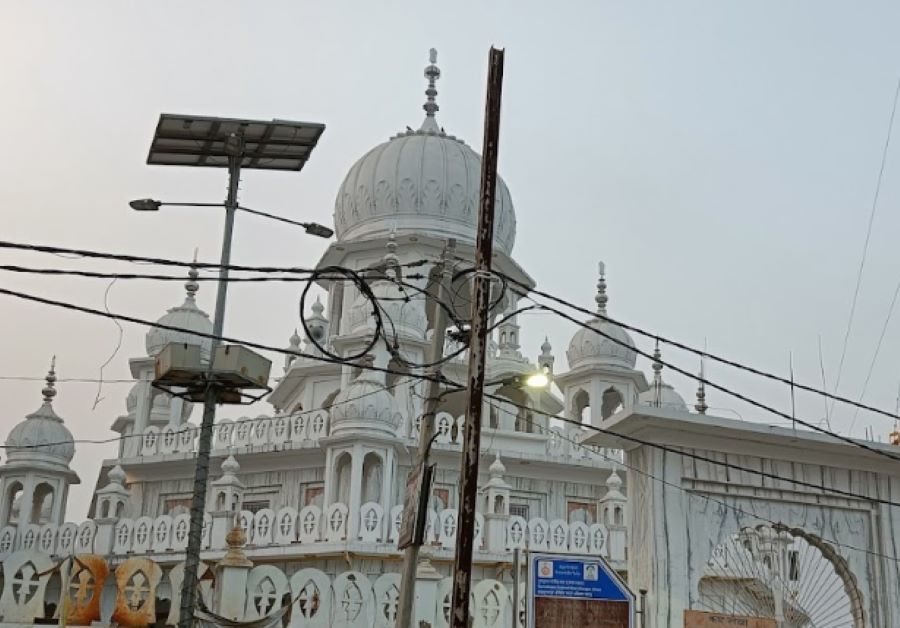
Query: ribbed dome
[[186, 316], [613, 346], [588, 346], [42, 435], [662, 396], [419, 182], [424, 182]]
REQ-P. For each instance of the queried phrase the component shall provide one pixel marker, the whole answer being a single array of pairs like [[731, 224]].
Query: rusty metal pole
[[468, 475], [406, 601]]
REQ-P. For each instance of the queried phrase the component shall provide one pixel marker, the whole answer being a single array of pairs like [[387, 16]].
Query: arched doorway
[[785, 574]]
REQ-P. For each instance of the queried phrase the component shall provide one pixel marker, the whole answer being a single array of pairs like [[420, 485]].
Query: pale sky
[[719, 157]]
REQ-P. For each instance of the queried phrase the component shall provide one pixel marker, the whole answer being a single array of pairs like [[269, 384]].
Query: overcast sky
[[719, 157]]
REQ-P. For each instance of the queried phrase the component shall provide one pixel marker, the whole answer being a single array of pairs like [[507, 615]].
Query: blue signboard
[[590, 579]]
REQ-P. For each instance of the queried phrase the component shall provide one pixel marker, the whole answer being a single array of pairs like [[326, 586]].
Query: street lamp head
[[314, 228], [145, 205], [537, 380]]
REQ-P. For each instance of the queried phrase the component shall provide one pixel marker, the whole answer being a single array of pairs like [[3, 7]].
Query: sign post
[[566, 591]]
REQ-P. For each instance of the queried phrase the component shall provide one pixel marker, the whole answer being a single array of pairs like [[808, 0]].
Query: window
[[176, 505], [440, 498], [314, 495], [583, 511], [255, 505], [518, 510]]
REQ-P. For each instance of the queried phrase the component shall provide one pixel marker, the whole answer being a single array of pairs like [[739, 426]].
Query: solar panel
[[183, 140]]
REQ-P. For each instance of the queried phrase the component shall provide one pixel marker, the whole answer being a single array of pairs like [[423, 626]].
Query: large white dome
[[422, 181]]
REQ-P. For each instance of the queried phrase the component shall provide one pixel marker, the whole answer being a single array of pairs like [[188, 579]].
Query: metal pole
[[426, 431], [643, 608], [468, 475], [201, 472], [517, 570]]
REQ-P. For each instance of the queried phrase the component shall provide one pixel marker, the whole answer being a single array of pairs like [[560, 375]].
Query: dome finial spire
[[601, 297], [191, 285], [432, 73], [49, 390], [701, 406]]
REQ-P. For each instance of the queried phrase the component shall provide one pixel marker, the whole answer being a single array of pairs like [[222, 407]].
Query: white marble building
[[317, 480]]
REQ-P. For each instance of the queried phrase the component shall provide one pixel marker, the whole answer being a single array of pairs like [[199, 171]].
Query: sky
[[721, 158]]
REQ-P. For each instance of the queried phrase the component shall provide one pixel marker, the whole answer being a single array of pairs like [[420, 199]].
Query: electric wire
[[694, 456], [884, 328], [692, 494], [699, 352], [705, 380], [865, 251], [269, 269], [327, 358]]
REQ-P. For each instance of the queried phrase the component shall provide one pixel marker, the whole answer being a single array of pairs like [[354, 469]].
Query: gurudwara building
[[316, 483]]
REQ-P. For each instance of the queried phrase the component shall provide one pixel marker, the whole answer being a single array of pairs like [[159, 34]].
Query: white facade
[[317, 483]]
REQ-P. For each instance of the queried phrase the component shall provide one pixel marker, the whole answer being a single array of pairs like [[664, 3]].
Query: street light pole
[[235, 143], [201, 472]]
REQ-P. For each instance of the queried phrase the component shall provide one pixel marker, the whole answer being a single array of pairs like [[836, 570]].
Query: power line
[[728, 391], [441, 380], [705, 498], [865, 251], [330, 359], [295, 270], [699, 352], [701, 458], [884, 328], [160, 261]]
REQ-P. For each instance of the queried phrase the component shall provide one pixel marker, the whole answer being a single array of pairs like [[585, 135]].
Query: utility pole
[[234, 147], [426, 430], [468, 475], [517, 574]]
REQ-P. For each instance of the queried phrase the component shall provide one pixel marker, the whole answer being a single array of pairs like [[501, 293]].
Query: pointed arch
[[581, 406], [612, 402]]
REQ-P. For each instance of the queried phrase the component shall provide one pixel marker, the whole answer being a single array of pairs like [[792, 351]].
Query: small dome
[[116, 475], [365, 405], [613, 348], [546, 347], [614, 482], [497, 467], [661, 394], [424, 182], [613, 488], [230, 466], [186, 316], [42, 435]]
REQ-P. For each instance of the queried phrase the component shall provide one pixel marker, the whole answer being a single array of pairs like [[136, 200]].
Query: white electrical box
[[237, 366], [178, 364]]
